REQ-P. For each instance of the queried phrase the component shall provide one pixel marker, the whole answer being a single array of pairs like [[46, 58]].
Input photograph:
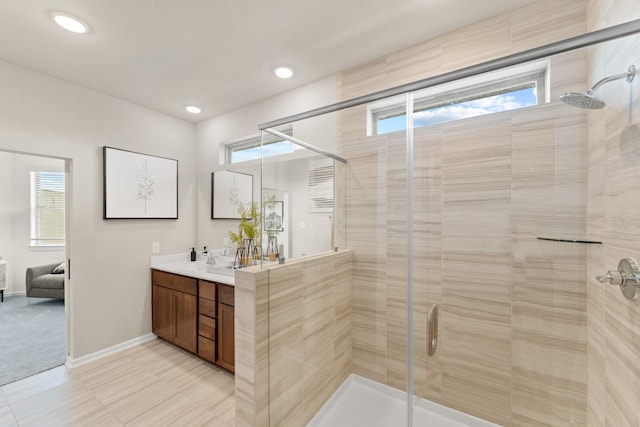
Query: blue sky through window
[[271, 149], [477, 107], [53, 181]]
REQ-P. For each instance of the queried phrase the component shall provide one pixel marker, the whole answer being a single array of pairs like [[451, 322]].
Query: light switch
[[155, 247], [303, 224]]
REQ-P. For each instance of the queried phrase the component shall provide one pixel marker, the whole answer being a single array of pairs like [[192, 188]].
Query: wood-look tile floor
[[153, 384]]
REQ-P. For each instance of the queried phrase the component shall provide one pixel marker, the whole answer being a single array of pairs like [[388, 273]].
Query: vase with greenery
[[248, 232]]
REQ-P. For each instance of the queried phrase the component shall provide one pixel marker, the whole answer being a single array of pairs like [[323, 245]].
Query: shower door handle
[[432, 330]]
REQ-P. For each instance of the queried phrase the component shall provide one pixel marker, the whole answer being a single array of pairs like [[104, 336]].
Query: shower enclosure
[[475, 240]]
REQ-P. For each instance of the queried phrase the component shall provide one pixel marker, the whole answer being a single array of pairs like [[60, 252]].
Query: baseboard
[[14, 293], [74, 363]]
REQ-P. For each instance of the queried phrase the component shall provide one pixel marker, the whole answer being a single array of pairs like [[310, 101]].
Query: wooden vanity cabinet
[[226, 329], [207, 320], [196, 315], [175, 309]]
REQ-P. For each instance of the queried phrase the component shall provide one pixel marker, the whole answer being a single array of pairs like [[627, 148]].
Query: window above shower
[[252, 148], [503, 90]]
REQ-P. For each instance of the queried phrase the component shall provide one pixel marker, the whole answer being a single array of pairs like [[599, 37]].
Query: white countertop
[[181, 264]]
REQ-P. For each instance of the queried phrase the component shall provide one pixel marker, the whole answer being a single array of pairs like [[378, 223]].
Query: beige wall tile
[[293, 338], [547, 21], [476, 177], [481, 42], [569, 74], [596, 202], [614, 322], [548, 138], [415, 63], [596, 391], [622, 384], [549, 327], [251, 328], [478, 183], [476, 326]]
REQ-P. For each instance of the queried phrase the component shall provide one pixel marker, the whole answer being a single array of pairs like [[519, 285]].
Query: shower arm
[[629, 74]]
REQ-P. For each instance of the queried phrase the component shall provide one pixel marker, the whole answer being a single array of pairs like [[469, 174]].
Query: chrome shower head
[[589, 100], [583, 100]]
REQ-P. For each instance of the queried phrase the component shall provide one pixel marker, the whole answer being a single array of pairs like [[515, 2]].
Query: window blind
[[47, 208]]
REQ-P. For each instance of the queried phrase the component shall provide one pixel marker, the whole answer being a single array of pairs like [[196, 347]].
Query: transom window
[[47, 208], [249, 148], [503, 90]]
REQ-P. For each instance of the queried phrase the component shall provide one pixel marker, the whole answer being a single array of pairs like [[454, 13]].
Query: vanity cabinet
[[207, 320], [226, 328], [175, 309], [195, 314]]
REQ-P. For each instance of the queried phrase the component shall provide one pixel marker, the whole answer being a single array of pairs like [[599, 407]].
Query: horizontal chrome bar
[[304, 144], [573, 43]]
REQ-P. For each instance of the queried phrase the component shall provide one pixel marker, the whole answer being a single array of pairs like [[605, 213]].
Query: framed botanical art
[[273, 216], [139, 186], [230, 190]]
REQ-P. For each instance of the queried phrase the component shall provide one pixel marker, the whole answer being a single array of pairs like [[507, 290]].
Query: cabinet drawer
[[207, 349], [207, 290], [207, 327], [226, 294], [173, 281], [207, 307]]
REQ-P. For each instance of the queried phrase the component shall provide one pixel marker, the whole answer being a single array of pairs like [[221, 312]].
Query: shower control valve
[[627, 277], [611, 277]]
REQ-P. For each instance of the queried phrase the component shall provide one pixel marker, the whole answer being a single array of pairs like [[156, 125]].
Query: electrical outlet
[[155, 247]]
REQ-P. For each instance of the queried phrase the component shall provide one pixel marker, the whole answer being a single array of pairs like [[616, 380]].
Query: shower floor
[[360, 402]]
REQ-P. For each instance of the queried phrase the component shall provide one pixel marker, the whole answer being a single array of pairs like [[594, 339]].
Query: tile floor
[[153, 384]]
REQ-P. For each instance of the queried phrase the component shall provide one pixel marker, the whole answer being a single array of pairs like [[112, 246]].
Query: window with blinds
[[47, 208]]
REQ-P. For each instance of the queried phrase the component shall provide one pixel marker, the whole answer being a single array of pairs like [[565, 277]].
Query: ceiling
[[219, 54]]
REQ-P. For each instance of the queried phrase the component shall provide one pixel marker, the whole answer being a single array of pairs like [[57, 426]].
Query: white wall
[[243, 122], [6, 237], [109, 290], [17, 222]]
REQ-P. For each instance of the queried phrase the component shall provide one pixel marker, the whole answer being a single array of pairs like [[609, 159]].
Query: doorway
[[33, 220]]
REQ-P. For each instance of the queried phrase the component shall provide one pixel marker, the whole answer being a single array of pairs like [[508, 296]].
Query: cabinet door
[[226, 337], [186, 321], [164, 313]]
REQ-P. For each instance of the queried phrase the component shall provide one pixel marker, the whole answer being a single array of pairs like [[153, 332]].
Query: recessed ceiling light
[[70, 23], [284, 72], [193, 109]]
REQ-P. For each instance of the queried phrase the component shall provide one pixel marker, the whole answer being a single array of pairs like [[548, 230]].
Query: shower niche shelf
[[552, 239]]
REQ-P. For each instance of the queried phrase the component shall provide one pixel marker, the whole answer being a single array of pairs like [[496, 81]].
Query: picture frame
[[229, 189], [273, 216], [139, 186]]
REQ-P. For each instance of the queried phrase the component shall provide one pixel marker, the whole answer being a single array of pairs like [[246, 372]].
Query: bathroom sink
[[224, 269], [221, 265]]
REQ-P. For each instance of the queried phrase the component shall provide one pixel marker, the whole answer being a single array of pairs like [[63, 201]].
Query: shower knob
[[627, 277], [611, 277]]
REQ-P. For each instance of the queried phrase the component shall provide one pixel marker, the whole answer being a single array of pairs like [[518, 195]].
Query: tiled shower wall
[[614, 192], [513, 325], [293, 338]]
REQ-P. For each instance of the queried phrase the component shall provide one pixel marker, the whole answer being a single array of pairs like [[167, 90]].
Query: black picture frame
[[229, 189], [139, 186]]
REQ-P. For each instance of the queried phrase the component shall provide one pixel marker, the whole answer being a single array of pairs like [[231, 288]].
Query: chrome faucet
[[211, 259]]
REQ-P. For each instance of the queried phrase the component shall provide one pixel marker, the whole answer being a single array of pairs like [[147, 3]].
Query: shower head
[[588, 100], [583, 100]]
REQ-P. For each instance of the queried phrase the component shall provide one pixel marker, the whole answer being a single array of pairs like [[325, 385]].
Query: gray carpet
[[32, 336]]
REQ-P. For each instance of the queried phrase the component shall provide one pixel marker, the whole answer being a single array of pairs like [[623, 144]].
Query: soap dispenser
[[193, 254]]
